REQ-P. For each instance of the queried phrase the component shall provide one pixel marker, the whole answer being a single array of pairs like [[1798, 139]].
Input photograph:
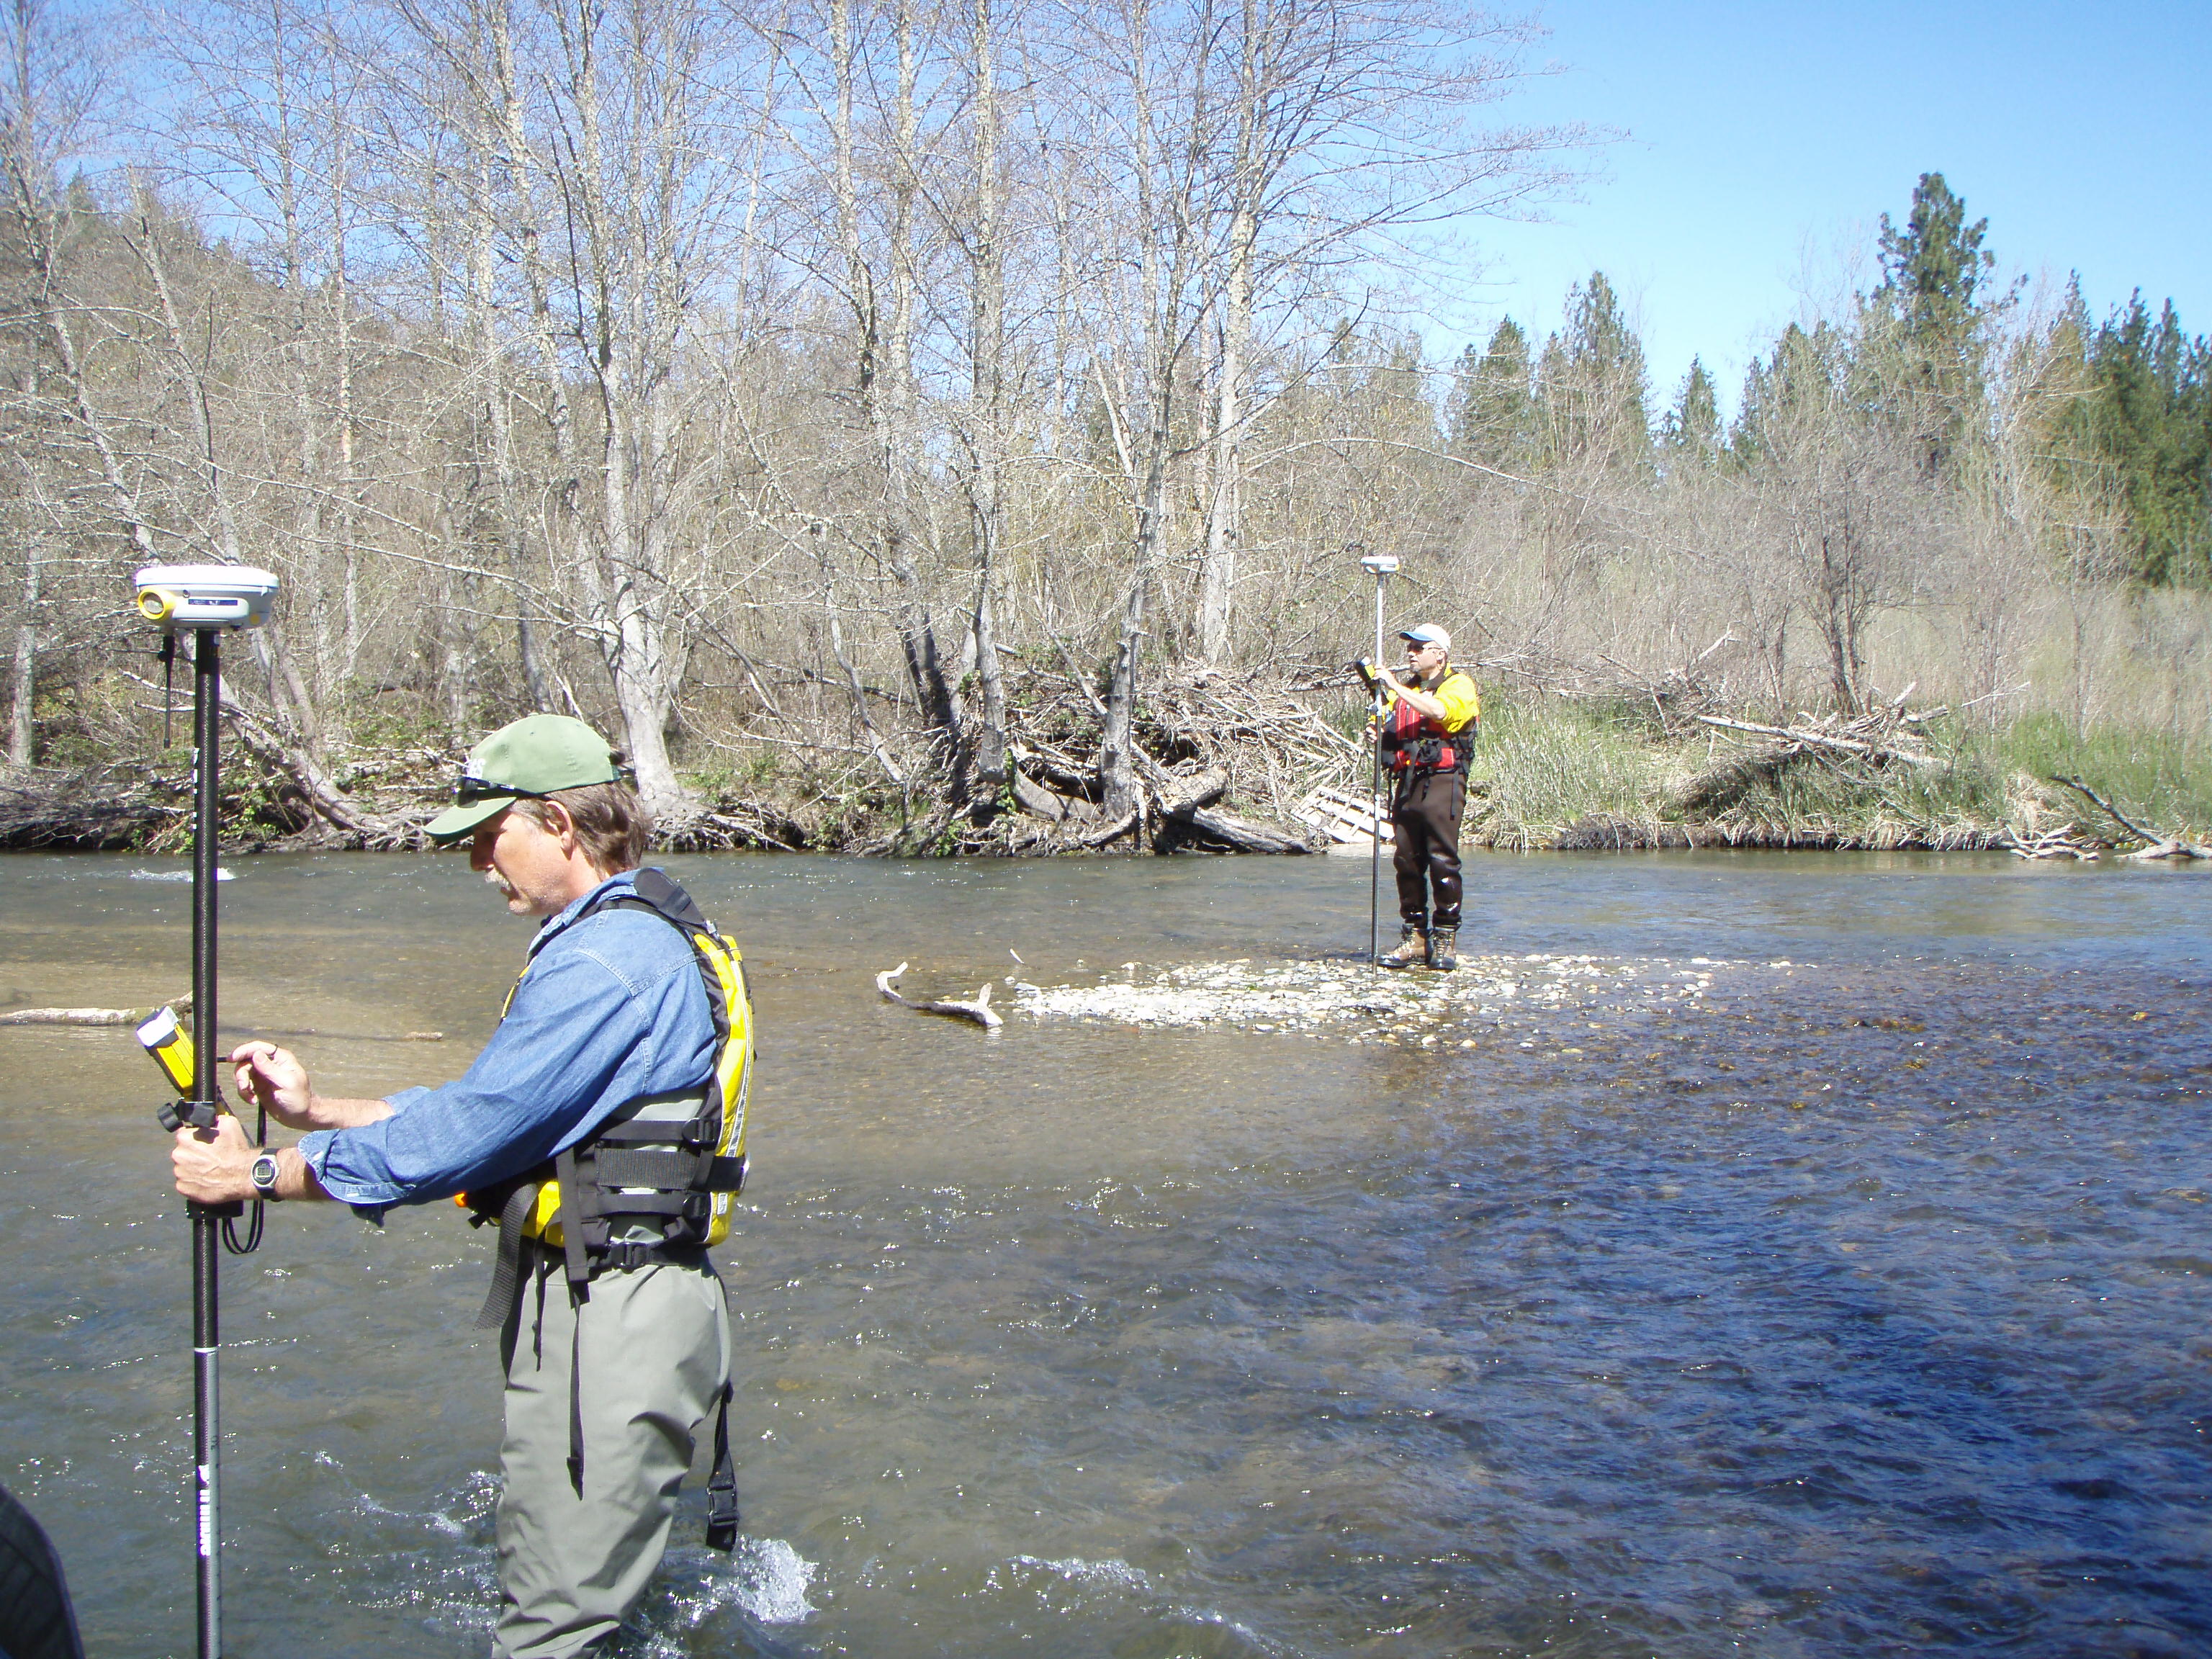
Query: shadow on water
[[1855, 1306]]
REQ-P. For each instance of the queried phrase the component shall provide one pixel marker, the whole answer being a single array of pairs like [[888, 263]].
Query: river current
[[1856, 1301]]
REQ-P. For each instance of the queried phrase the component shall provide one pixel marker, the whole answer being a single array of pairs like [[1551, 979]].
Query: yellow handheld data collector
[[170, 1046]]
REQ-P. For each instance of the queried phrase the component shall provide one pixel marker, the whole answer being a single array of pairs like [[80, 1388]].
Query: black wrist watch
[[264, 1177]]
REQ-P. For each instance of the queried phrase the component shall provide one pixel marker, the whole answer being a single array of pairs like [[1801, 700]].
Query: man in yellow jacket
[[1429, 727]]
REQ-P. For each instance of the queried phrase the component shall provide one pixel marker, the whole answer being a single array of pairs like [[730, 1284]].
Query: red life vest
[[1413, 741]]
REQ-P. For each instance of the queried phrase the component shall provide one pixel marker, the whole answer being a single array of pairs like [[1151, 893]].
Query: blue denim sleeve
[[574, 1024]]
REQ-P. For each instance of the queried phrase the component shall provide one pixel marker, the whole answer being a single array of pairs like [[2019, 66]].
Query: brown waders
[[1424, 816]]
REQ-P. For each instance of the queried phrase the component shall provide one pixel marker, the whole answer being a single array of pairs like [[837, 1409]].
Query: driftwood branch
[[2064, 842], [978, 1010], [1812, 738], [2157, 844], [92, 1016], [72, 1017]]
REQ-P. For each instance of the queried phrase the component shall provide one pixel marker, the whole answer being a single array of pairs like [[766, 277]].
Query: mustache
[[493, 879]]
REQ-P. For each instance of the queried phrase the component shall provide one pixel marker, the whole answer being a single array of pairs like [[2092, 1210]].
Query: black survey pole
[[203, 600], [206, 1218], [1380, 566], [1375, 850]]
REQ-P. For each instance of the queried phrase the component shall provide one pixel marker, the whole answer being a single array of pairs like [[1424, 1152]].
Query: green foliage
[[756, 773], [1960, 804], [2147, 421], [389, 722]]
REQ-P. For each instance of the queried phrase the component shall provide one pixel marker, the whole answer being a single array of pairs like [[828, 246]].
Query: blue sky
[[1764, 142]]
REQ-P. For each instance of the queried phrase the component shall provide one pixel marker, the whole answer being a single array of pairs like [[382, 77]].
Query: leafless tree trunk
[[985, 429]]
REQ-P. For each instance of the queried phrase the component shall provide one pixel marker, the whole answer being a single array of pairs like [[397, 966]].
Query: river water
[[1855, 1300]]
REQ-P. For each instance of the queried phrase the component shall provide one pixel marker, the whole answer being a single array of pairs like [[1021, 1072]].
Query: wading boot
[[1412, 950], [1444, 949]]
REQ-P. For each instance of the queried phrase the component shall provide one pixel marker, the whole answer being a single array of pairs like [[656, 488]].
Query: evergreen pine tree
[[1933, 272], [1693, 427], [1931, 268], [1488, 416], [2149, 419], [1591, 385], [1772, 386]]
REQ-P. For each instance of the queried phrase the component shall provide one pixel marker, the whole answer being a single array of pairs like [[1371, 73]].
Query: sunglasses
[[469, 790]]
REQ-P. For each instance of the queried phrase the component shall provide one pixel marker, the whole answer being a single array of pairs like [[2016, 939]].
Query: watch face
[[263, 1173]]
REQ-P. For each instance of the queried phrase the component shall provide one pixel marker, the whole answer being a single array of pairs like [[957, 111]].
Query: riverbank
[[1551, 773]]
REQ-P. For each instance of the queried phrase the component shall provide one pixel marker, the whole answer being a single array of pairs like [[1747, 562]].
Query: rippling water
[[1856, 1305]]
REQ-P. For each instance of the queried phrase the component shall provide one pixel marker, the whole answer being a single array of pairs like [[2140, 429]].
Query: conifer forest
[[941, 427]]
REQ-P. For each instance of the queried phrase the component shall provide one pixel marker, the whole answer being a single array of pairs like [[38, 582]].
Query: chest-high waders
[[652, 1185]]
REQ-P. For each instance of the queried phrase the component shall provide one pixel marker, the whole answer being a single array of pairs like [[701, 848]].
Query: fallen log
[[979, 1011], [1037, 802], [1182, 796], [1055, 774], [1128, 824], [1199, 824], [292, 759]]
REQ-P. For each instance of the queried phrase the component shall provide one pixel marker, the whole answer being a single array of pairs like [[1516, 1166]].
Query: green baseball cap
[[531, 757]]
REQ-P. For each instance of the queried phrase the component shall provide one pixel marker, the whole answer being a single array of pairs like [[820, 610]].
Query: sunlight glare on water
[[1804, 1256]]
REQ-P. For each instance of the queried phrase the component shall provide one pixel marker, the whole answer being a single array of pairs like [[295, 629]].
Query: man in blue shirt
[[610, 1019]]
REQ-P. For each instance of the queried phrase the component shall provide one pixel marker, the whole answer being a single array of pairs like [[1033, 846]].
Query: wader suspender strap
[[578, 1263], [576, 1200], [722, 1484], [576, 1402], [507, 1277]]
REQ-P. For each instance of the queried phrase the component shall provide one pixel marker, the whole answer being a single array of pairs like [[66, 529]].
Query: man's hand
[[273, 1079], [214, 1166]]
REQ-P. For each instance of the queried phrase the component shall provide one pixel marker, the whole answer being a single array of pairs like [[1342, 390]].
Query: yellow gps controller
[[164, 1037]]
